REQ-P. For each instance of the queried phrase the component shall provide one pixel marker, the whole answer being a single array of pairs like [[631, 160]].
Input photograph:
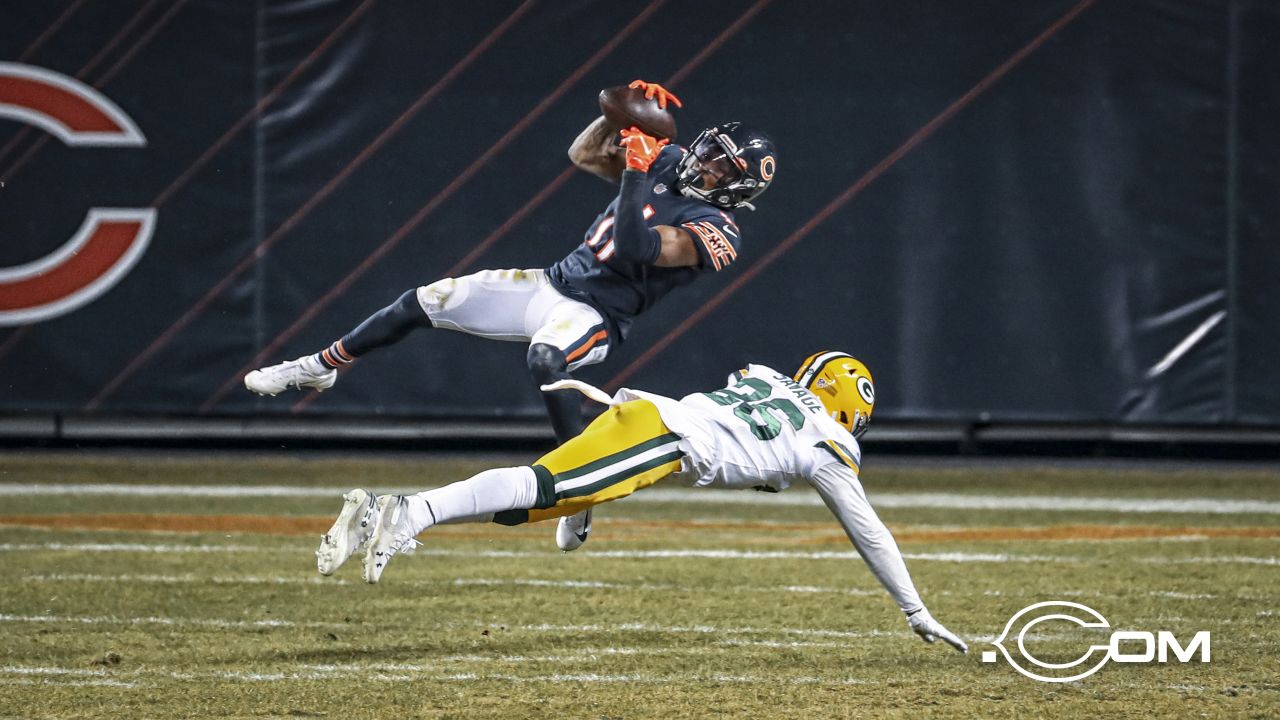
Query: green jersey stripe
[[843, 454], [616, 457], [619, 477]]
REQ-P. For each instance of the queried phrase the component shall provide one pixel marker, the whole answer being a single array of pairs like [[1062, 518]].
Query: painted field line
[[132, 547], [186, 579], [709, 554], [652, 587], [949, 501], [645, 679], [127, 490], [68, 683], [537, 628], [792, 644], [631, 529], [371, 674], [589, 584], [954, 557], [1212, 560], [164, 621], [703, 630]]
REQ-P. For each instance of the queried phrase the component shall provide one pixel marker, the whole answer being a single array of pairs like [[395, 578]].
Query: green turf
[[492, 622]]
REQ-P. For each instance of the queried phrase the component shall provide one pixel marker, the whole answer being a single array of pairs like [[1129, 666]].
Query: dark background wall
[[1013, 211]]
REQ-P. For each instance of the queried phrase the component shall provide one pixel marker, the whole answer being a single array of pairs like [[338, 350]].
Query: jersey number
[[751, 406]]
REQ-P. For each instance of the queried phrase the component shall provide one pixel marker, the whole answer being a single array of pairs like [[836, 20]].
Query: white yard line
[[165, 621], [186, 579], [44, 682], [711, 554], [379, 673], [803, 498], [705, 630], [129, 547], [1213, 560], [537, 628], [581, 584], [706, 554]]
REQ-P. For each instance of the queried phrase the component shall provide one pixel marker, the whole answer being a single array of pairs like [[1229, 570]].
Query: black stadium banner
[[1061, 210]]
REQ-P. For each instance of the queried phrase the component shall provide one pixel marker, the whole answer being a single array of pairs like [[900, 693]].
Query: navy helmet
[[742, 161]]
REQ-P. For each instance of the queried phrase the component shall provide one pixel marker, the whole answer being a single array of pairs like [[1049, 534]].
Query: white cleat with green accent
[[350, 531], [392, 534], [573, 530]]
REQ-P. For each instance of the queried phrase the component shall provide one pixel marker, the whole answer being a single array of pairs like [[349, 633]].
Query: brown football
[[625, 107]]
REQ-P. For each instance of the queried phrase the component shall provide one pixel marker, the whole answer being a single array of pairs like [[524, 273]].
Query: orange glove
[[642, 149], [652, 89]]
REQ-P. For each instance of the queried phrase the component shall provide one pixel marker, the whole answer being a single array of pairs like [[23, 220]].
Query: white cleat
[[573, 530], [304, 372], [350, 531], [392, 534]]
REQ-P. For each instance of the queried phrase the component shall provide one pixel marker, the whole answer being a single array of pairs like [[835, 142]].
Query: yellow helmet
[[844, 386]]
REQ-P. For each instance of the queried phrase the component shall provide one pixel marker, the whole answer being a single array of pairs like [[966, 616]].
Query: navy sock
[[387, 326]]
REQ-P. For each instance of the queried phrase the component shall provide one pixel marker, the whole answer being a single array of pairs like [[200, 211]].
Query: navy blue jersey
[[619, 289]]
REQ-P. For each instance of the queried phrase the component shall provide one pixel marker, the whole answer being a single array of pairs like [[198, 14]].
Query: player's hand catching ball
[[929, 630], [654, 89], [642, 149]]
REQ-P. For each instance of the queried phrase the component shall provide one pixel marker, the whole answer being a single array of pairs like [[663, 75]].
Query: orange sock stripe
[[341, 352], [584, 348], [328, 358]]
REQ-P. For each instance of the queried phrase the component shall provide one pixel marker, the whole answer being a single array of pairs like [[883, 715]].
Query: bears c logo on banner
[[110, 240]]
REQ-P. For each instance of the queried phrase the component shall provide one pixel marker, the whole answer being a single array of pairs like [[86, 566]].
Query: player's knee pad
[[440, 295], [547, 363]]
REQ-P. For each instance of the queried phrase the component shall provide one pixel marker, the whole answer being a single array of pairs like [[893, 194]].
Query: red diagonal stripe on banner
[[14, 338], [550, 189], [110, 72], [235, 129], [260, 250], [262, 104], [426, 210], [871, 175], [54, 27], [113, 42], [81, 74]]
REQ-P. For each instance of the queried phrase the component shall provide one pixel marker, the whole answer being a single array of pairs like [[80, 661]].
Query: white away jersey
[[762, 431], [765, 431]]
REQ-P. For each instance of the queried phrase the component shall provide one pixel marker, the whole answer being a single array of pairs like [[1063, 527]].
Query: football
[[625, 107]]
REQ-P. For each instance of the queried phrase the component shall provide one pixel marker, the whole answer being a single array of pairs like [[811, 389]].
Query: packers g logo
[[110, 240], [866, 390]]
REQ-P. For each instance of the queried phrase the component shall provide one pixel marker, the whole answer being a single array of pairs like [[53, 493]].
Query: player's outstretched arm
[[596, 150], [843, 494]]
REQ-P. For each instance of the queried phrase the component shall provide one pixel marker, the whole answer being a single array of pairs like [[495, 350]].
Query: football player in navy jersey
[[671, 221]]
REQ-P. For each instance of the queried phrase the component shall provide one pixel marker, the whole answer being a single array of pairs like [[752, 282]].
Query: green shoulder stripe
[[841, 453]]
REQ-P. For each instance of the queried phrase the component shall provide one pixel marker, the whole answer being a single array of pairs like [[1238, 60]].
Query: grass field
[[185, 587]]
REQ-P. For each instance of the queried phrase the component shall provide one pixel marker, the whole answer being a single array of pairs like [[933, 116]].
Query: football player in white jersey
[[764, 431]]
